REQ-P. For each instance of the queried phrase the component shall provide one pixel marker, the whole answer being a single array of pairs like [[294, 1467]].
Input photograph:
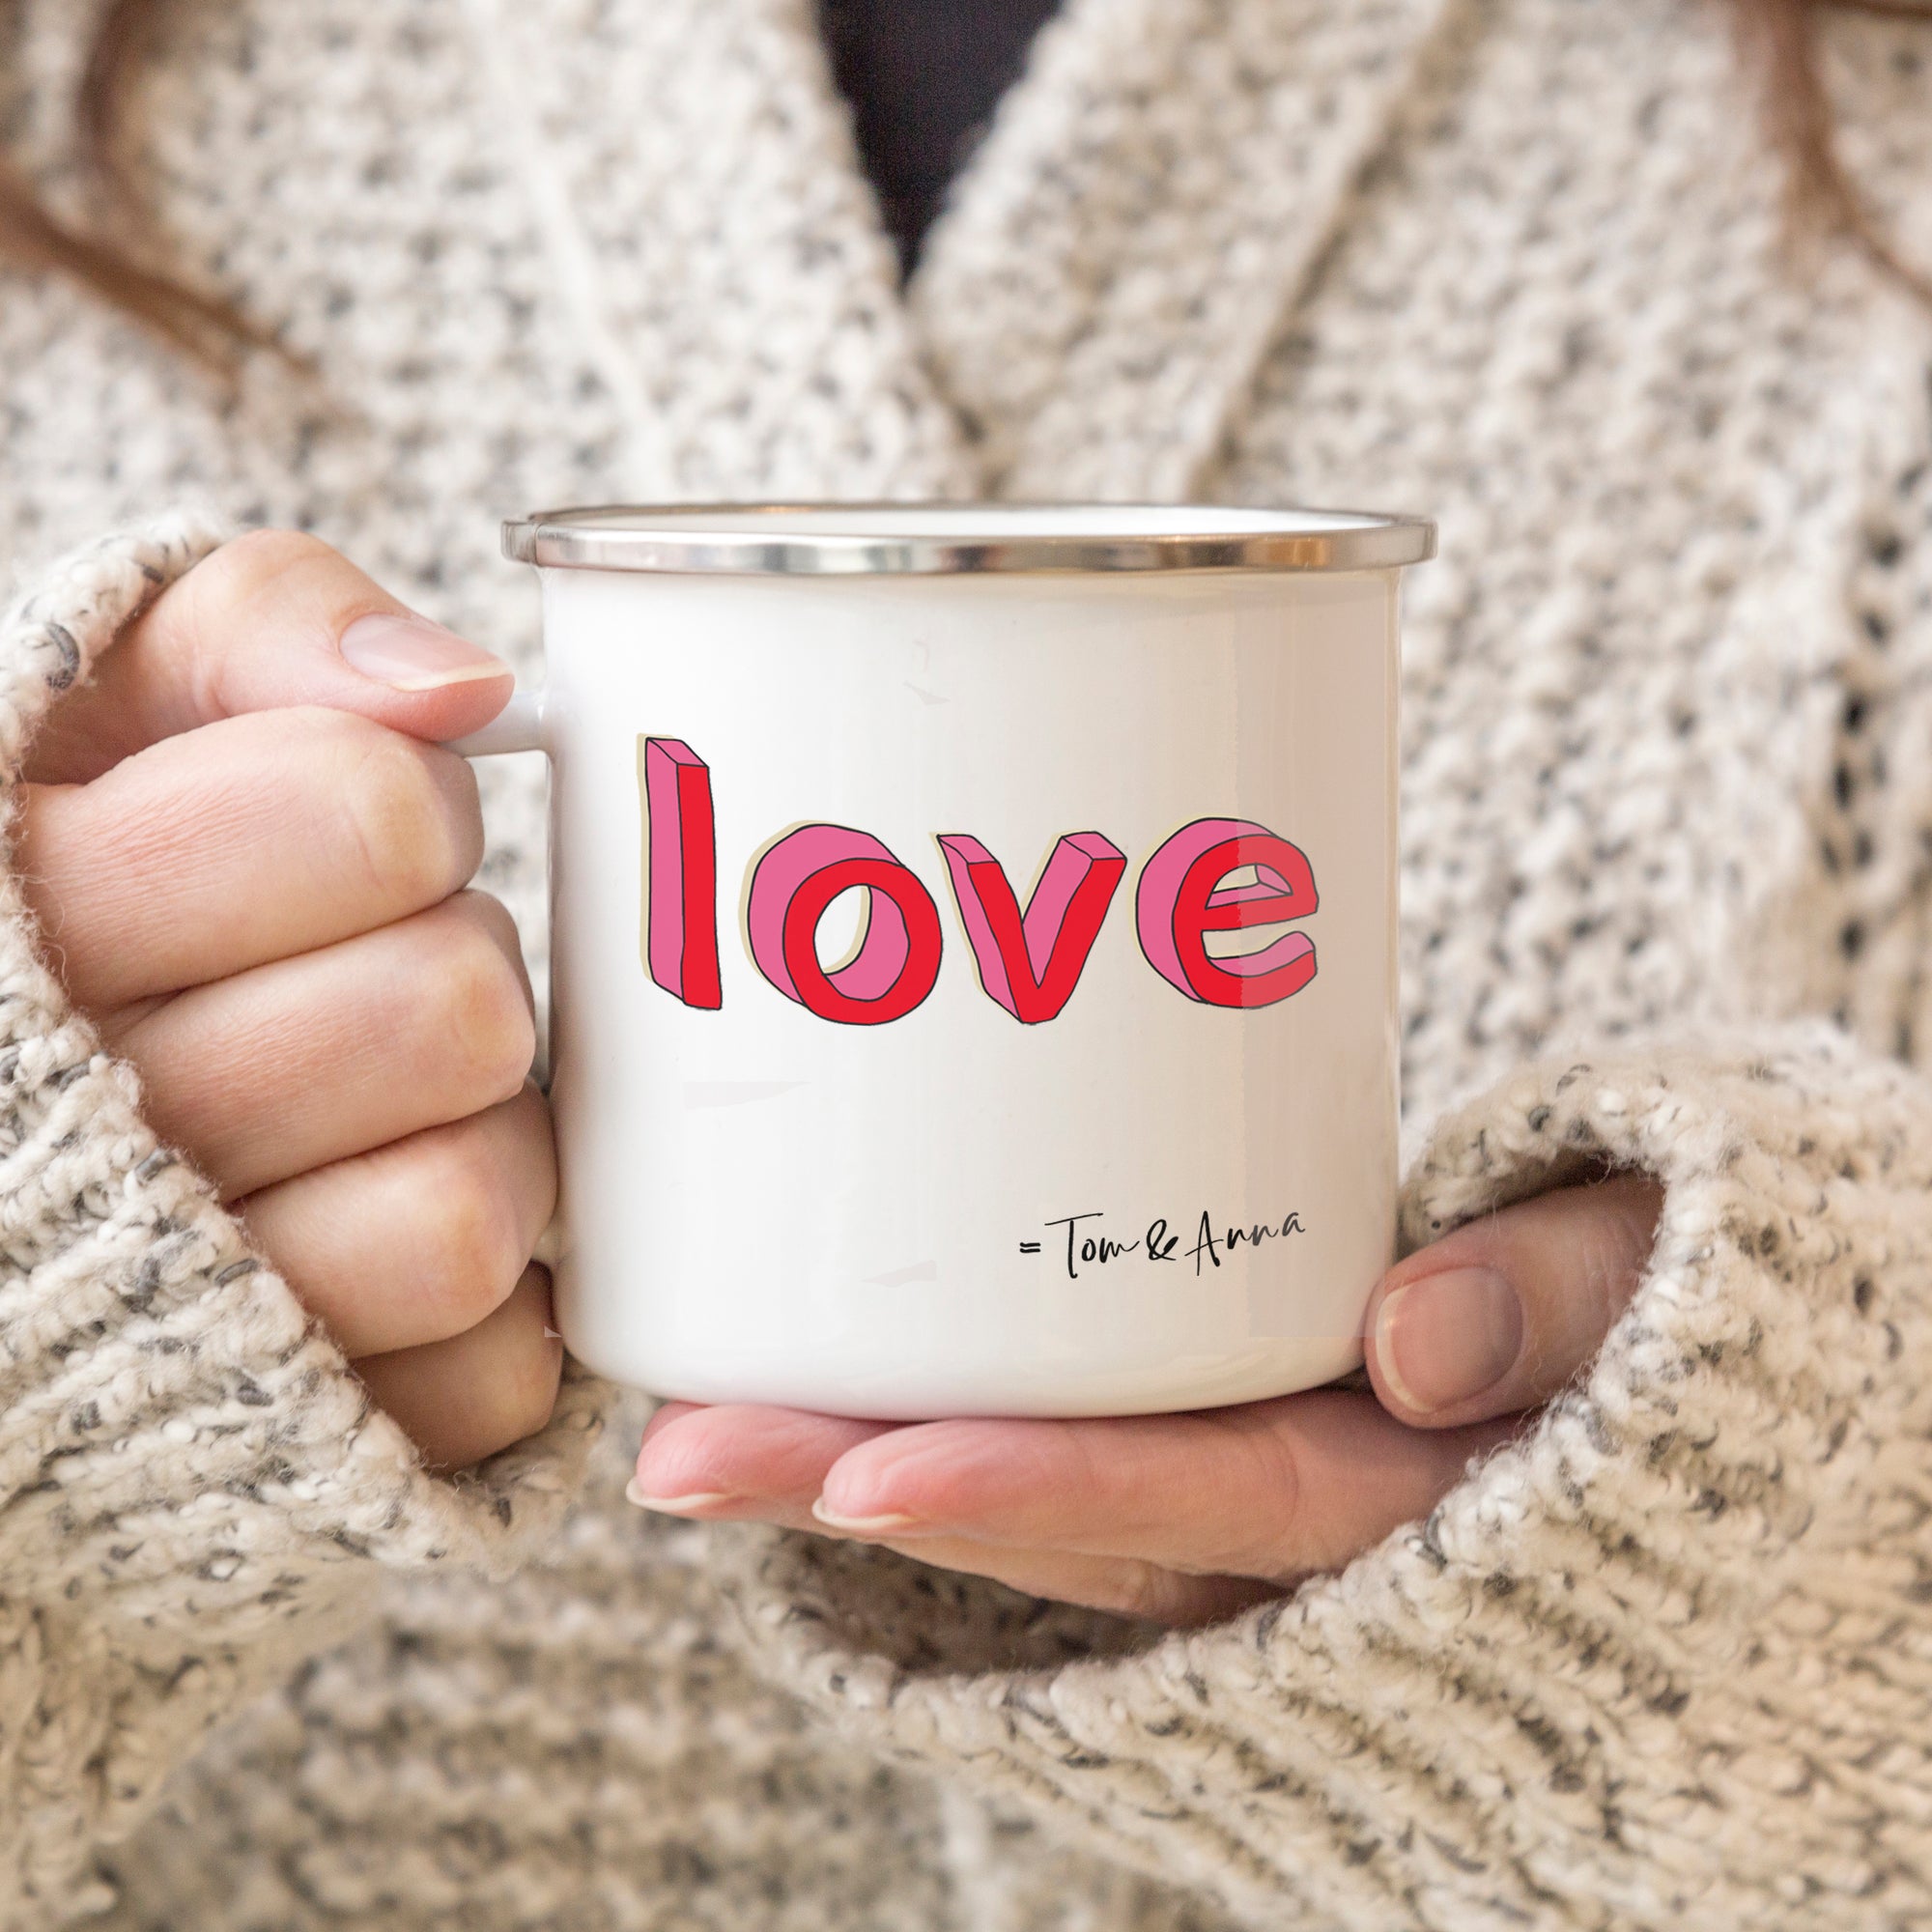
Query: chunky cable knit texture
[[1667, 1661], [194, 1478], [1691, 1603]]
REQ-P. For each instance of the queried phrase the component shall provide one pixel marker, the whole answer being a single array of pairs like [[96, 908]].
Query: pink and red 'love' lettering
[[1181, 899], [1031, 965], [898, 959], [1214, 875], [681, 936]]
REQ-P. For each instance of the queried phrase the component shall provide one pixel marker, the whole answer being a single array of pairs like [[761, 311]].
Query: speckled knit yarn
[[1691, 1604], [191, 1471], [1667, 1662]]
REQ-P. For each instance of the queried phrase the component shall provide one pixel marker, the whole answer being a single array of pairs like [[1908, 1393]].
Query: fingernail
[[413, 654], [1444, 1338], [866, 1525], [697, 1499]]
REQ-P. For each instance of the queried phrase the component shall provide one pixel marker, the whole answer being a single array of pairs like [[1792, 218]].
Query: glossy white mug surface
[[904, 1060]]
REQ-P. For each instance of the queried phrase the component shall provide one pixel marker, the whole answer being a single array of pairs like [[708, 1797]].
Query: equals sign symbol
[[1029, 1247]]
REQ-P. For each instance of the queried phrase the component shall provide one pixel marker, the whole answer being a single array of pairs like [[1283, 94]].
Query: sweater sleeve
[[1666, 1659], [194, 1488]]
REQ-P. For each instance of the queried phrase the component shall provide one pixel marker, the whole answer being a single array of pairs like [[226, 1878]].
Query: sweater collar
[[694, 187], [1156, 192], [1156, 188]]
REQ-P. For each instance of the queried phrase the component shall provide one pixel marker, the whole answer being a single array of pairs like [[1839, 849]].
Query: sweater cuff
[[194, 1482], [1684, 1614]]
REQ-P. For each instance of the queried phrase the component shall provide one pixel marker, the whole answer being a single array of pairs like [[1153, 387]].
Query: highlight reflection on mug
[[1214, 875]]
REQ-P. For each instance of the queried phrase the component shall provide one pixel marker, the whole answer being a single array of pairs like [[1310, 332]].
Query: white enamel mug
[[974, 979]]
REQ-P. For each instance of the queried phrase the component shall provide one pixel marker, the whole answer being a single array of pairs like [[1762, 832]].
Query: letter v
[[1031, 966]]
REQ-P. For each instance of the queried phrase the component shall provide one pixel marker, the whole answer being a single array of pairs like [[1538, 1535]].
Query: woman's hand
[[248, 864], [1187, 1517]]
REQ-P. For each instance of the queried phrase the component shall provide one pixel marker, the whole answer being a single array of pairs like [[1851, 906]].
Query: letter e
[[1180, 899]]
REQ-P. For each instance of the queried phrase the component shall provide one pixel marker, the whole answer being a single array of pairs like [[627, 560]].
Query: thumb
[[269, 621], [1500, 1314]]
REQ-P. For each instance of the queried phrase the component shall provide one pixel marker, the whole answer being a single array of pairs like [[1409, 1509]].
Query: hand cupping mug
[[973, 983]]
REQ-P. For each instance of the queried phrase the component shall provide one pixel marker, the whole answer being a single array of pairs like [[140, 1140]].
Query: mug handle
[[518, 728]]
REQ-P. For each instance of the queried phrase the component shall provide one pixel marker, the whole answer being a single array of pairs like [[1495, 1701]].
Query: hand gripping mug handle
[[518, 728]]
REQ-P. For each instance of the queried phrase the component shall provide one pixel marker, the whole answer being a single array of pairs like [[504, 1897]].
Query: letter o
[[897, 962]]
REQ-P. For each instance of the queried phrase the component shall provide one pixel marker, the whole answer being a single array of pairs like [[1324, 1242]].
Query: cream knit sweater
[[1667, 1662]]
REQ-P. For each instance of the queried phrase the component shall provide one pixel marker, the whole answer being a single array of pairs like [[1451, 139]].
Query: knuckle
[[535, 1375], [1277, 1474], [492, 1033], [492, 917], [406, 833], [242, 568], [222, 601], [1266, 1470], [472, 1248], [536, 1394], [534, 1135], [1132, 1588]]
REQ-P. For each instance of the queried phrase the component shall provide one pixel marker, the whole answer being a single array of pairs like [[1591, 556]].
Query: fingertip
[[867, 1480], [744, 1449], [667, 1414], [410, 654], [1441, 1340], [449, 711], [675, 1474], [278, 620], [1501, 1313], [867, 1528], [944, 1472], [426, 679]]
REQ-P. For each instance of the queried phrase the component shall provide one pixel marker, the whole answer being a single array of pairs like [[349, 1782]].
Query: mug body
[[973, 987]]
